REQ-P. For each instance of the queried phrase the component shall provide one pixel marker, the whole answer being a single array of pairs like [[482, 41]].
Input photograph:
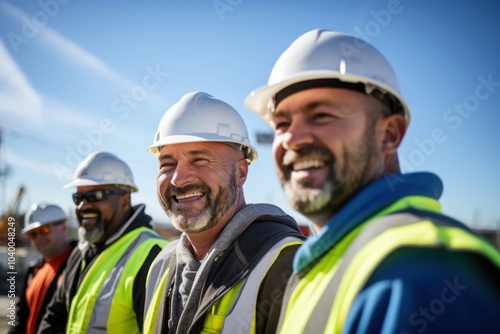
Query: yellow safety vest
[[104, 300], [322, 299], [233, 312]]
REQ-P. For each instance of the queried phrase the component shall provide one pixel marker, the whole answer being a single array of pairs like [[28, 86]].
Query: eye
[[281, 125], [320, 116], [199, 160], [167, 165]]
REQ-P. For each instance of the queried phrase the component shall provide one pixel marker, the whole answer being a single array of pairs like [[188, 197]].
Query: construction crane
[[5, 170], [12, 211]]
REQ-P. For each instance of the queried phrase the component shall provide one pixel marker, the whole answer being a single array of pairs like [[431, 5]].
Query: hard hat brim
[[182, 139], [259, 100], [36, 225], [87, 182]]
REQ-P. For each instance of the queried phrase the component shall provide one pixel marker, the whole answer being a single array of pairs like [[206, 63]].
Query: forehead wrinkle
[[198, 152], [192, 152], [164, 156], [282, 112], [338, 103]]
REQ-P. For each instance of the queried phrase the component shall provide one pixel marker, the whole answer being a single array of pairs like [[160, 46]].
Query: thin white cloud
[[47, 119], [74, 53], [68, 120], [81, 58], [18, 97], [26, 162], [63, 46], [60, 113]]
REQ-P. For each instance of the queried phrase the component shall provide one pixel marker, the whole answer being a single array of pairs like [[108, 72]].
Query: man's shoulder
[[422, 288], [274, 222], [414, 262], [167, 251], [264, 233]]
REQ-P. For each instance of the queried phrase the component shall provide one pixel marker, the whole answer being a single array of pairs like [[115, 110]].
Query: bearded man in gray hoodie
[[228, 271]]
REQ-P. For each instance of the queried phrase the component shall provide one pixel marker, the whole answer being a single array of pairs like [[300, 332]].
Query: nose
[[297, 135], [182, 176], [83, 204]]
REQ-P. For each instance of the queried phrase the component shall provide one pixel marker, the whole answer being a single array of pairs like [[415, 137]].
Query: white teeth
[[308, 164], [179, 197], [89, 215]]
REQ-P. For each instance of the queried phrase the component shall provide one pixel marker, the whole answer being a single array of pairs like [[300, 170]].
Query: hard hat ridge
[[103, 168], [199, 117], [42, 213]]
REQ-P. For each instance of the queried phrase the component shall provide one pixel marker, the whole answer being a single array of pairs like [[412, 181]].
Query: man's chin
[[93, 236], [307, 200], [192, 225]]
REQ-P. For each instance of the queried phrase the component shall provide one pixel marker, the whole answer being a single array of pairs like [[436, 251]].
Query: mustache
[[309, 151]]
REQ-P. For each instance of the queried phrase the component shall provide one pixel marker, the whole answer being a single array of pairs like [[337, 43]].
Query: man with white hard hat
[[228, 270], [386, 259], [45, 225], [103, 288]]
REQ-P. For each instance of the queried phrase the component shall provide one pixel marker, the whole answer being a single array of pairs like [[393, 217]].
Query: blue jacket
[[395, 299]]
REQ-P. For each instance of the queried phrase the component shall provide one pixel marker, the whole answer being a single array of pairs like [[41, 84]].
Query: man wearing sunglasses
[[45, 225], [103, 288]]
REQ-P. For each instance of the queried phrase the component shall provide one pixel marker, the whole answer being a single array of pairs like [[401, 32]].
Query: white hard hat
[[100, 168], [328, 58], [42, 213], [199, 117]]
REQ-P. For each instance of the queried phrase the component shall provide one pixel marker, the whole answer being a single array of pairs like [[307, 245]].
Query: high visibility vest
[[322, 299], [104, 300], [233, 312]]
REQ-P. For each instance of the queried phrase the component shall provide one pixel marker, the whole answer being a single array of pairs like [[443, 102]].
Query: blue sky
[[80, 76]]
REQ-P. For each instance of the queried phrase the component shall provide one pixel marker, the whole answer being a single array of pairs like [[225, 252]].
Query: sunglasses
[[44, 230], [94, 196]]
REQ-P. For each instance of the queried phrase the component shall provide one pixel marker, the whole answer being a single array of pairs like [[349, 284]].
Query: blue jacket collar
[[372, 199]]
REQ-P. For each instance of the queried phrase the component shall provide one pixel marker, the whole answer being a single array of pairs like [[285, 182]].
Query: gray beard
[[321, 204], [91, 236], [216, 208]]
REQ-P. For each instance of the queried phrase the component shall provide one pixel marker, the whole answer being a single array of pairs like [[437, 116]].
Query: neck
[[202, 241], [392, 165], [57, 253]]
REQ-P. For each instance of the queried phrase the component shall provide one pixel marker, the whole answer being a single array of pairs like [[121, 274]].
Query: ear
[[126, 201], [242, 171], [393, 130]]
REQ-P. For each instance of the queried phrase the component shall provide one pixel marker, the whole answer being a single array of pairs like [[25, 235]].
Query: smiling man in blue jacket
[[385, 260]]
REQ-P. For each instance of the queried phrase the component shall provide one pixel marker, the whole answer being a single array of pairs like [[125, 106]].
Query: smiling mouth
[[89, 219], [188, 196], [306, 164], [89, 215]]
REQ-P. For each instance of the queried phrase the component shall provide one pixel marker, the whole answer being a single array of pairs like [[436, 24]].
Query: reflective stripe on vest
[[155, 288], [104, 301], [370, 247], [227, 304], [240, 318]]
